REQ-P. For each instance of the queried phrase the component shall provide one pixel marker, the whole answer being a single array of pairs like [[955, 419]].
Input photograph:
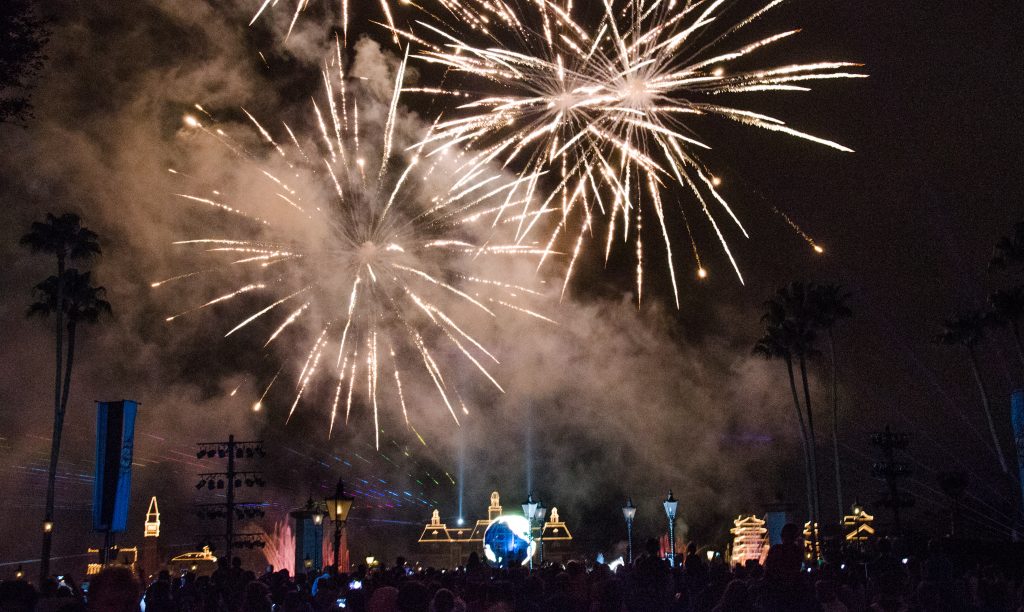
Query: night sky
[[618, 399]]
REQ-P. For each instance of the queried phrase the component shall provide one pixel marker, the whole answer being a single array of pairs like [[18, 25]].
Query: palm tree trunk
[[812, 451], [72, 326], [835, 426], [803, 437], [58, 424], [988, 410]]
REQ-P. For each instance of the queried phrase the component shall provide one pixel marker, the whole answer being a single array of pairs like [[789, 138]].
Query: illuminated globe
[[507, 541]]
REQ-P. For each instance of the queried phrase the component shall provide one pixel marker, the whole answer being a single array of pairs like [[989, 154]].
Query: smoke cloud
[[614, 400]]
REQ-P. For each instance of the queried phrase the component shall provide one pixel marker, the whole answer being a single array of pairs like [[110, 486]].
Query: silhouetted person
[[828, 599], [158, 597], [784, 559], [256, 599], [443, 601], [17, 596], [736, 598], [114, 589], [412, 596], [693, 563]]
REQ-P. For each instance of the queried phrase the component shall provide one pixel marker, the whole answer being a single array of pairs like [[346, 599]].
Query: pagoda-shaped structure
[[857, 526], [749, 540]]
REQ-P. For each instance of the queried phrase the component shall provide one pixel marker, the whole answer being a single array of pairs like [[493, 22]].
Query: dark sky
[[908, 222]]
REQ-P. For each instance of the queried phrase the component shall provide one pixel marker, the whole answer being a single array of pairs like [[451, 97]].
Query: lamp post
[[541, 513], [671, 504], [338, 507], [628, 512], [530, 511]]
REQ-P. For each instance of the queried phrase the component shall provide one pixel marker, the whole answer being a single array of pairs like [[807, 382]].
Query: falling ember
[[604, 102], [702, 273], [817, 248], [352, 257]]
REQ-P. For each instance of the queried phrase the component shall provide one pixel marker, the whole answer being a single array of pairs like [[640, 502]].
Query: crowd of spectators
[[878, 581]]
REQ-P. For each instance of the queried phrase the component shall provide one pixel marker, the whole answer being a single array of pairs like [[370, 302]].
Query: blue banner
[[115, 441]]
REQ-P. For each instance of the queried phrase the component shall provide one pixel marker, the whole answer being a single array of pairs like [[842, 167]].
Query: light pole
[[671, 504], [338, 507], [628, 512], [530, 511], [540, 514]]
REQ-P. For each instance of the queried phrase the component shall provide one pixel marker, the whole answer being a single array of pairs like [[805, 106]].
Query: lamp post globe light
[[530, 512], [337, 508], [628, 512], [540, 514], [671, 504]]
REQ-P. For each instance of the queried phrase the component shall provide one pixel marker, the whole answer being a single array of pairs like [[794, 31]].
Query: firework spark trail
[[607, 101], [373, 263]]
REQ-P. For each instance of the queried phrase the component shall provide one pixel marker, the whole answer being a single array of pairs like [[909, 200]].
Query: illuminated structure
[[125, 557], [812, 546], [444, 546], [750, 540], [150, 557], [202, 562], [857, 526]]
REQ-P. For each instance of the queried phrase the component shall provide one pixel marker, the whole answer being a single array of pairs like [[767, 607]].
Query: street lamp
[[628, 512], [338, 507], [541, 513], [530, 511], [671, 504]]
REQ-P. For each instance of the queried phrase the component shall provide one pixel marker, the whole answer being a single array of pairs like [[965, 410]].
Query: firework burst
[[604, 106], [364, 248]]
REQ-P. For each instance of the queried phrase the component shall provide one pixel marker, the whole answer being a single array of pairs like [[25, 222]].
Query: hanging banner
[[115, 441]]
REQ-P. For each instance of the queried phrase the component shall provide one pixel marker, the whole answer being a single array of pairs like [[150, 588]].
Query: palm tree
[[829, 307], [775, 345], [68, 240], [968, 330], [790, 334], [1008, 308], [83, 303], [1009, 251]]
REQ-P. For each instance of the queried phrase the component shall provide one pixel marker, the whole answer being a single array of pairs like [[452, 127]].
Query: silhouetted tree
[[22, 38], [829, 306], [65, 238], [83, 303], [968, 330], [789, 322]]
